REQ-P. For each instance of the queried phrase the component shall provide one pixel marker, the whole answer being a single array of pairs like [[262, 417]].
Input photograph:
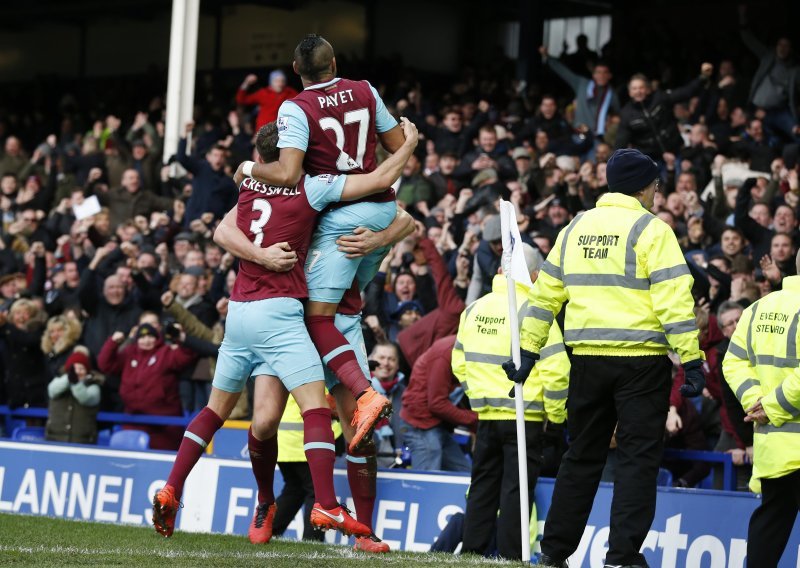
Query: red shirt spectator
[[442, 321], [149, 385], [426, 401], [268, 99]]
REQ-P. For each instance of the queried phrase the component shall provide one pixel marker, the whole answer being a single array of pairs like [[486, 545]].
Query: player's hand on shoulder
[[278, 257]]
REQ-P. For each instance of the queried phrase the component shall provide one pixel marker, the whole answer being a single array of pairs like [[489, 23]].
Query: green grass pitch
[[47, 542]]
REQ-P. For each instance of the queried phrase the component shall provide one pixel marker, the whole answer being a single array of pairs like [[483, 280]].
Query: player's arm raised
[[278, 257], [361, 185]]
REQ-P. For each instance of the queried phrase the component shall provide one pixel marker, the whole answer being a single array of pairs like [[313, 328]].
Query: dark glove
[[527, 361], [694, 379]]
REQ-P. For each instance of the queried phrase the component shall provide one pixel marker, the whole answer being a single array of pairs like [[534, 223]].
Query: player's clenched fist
[[410, 131]]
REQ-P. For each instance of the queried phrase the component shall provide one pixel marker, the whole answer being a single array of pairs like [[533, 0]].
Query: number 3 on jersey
[[344, 162], [257, 225]]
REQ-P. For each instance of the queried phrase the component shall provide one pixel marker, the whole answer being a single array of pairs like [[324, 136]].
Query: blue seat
[[104, 437], [12, 424], [129, 440], [664, 478], [28, 434]]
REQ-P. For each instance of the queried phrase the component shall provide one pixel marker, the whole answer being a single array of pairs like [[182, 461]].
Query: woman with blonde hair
[[25, 375], [60, 336]]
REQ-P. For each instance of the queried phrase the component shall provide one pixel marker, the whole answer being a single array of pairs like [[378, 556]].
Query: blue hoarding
[[692, 528]]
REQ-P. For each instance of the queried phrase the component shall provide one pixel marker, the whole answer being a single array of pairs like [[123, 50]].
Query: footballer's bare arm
[[278, 257]]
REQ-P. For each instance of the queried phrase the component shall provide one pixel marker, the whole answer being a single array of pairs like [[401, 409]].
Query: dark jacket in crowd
[[650, 126], [212, 191], [25, 375], [104, 319]]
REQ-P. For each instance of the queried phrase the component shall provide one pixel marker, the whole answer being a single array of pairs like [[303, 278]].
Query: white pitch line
[[332, 553]]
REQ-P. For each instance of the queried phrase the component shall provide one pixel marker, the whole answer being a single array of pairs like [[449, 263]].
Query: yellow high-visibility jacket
[[290, 433], [762, 363], [627, 283], [483, 344]]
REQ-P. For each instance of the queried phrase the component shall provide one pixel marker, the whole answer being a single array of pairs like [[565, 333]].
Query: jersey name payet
[[336, 98]]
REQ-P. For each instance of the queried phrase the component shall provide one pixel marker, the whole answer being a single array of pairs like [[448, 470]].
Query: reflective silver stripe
[[556, 395], [780, 362], [785, 404], [567, 231], [521, 312], [789, 427], [292, 426], [551, 350], [751, 356], [623, 281], [633, 237], [539, 314], [464, 385], [664, 274], [472, 357], [737, 351], [791, 338], [677, 327], [611, 334], [458, 345], [480, 402], [551, 269], [746, 385]]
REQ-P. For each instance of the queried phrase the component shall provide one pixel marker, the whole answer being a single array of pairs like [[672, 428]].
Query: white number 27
[[257, 225], [344, 162]]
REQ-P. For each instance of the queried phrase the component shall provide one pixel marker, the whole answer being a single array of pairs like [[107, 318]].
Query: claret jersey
[[335, 124], [270, 215]]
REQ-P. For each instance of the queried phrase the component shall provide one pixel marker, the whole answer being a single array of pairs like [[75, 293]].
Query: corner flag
[[516, 270]]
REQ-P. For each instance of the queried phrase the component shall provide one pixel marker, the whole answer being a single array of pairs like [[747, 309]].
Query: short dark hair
[[313, 56], [267, 142]]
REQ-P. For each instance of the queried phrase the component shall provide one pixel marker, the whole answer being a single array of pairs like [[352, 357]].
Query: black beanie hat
[[629, 171]]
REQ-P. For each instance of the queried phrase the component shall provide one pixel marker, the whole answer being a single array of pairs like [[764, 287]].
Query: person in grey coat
[[594, 98], [774, 86]]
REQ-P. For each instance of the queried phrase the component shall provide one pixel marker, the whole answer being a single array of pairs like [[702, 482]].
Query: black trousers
[[631, 393], [771, 524], [495, 485], [298, 491]]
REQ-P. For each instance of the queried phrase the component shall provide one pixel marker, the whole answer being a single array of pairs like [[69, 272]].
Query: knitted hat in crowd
[[146, 330], [629, 171], [492, 230], [78, 357]]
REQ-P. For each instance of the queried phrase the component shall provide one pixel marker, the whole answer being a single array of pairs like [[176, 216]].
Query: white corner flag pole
[[512, 255]]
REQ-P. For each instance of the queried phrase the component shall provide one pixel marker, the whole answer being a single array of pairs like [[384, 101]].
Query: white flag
[[513, 258]]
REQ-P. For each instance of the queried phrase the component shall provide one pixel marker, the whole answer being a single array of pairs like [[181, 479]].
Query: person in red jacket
[[268, 99], [418, 338], [150, 370], [431, 413]]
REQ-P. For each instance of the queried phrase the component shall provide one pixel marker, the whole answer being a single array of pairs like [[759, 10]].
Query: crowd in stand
[[114, 295]]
